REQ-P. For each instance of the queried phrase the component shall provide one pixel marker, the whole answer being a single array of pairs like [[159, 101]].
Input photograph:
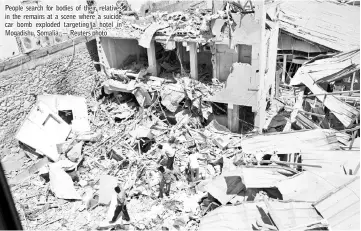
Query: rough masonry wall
[[18, 90]]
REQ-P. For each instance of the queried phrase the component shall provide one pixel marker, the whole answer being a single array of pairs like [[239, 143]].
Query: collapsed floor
[[126, 125]]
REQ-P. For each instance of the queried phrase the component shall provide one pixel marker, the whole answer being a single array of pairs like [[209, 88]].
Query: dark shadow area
[[66, 115]]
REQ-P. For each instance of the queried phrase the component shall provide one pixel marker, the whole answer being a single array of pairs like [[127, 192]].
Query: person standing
[[168, 152], [121, 205], [166, 180], [193, 166]]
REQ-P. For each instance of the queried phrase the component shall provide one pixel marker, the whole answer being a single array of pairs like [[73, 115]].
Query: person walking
[[121, 205]]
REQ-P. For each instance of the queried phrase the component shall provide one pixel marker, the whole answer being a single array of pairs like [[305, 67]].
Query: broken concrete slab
[[27, 173], [142, 97], [107, 185], [147, 36], [42, 130], [74, 106], [61, 184], [172, 95], [111, 86], [90, 136], [75, 153], [13, 162], [141, 132]]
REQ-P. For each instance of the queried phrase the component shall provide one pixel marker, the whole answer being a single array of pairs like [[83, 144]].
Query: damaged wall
[[225, 57], [118, 50], [18, 90]]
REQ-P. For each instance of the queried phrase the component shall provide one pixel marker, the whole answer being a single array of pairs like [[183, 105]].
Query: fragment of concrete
[[42, 130], [61, 184], [214, 126], [147, 36], [29, 171], [90, 136], [111, 86], [221, 141], [107, 185], [117, 154], [13, 162], [247, 32], [172, 95], [75, 153], [74, 106], [65, 146], [217, 27], [141, 132], [83, 183], [238, 88], [142, 97]]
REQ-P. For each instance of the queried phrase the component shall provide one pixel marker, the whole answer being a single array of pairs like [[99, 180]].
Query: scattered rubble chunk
[[107, 185], [42, 130], [75, 154], [61, 184]]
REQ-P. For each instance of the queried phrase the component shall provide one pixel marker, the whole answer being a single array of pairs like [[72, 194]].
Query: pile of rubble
[[73, 155]]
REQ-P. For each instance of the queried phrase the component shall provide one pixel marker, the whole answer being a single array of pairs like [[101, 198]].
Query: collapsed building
[[267, 94]]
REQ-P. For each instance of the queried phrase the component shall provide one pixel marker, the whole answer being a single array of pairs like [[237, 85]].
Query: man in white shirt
[[121, 205], [169, 152], [193, 166]]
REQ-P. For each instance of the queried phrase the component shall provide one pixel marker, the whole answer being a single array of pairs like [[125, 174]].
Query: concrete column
[[152, 61], [284, 68], [233, 117], [193, 60]]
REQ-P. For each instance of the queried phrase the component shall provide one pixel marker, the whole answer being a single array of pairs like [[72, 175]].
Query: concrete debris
[[75, 153], [211, 85], [107, 185], [61, 184]]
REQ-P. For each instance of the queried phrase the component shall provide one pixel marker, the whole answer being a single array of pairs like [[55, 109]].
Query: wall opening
[[66, 115], [124, 53]]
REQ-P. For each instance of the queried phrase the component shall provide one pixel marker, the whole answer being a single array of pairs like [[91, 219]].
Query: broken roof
[[239, 217], [291, 142], [326, 23], [341, 207], [328, 68], [291, 215], [310, 186], [331, 161]]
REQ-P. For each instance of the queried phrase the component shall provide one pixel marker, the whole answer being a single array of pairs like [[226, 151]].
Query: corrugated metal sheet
[[261, 176], [231, 183], [291, 142], [341, 207], [331, 161], [311, 186], [288, 215], [329, 24], [240, 217], [328, 68]]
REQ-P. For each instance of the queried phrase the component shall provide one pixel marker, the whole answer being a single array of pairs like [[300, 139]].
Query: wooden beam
[[193, 57], [284, 68], [152, 61]]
